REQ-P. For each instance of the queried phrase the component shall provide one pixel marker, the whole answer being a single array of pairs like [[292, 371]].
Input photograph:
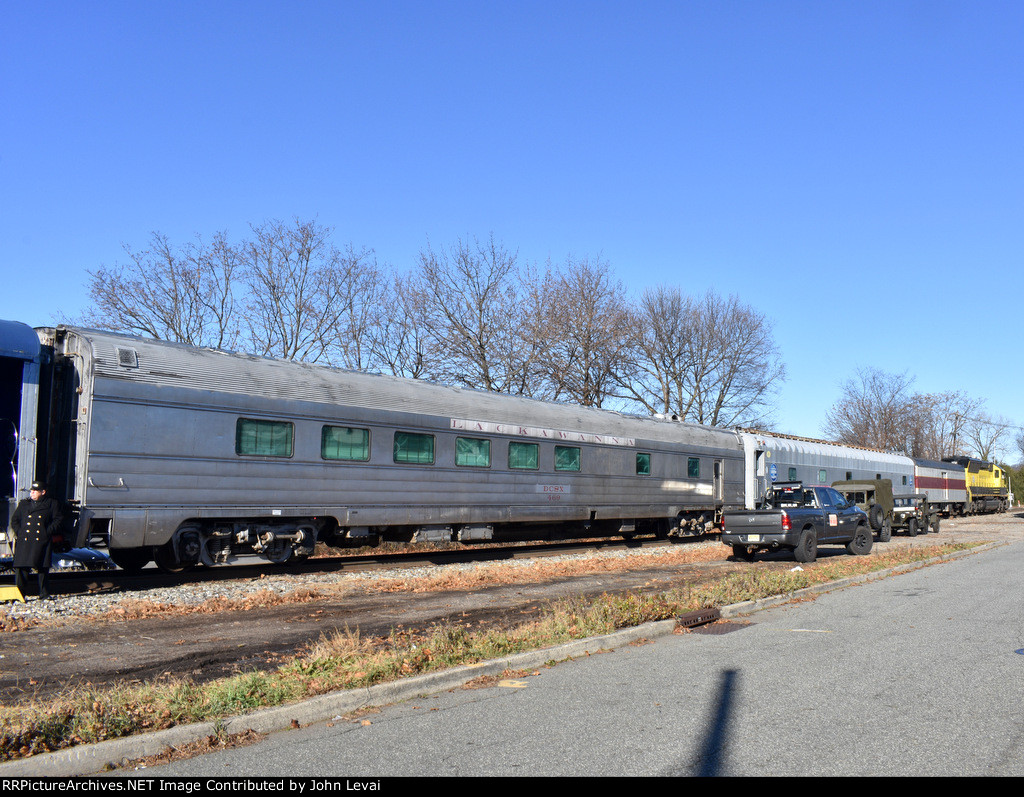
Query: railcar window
[[343, 442], [904, 479], [523, 456], [822, 476], [643, 464], [257, 438], [792, 474], [567, 458], [413, 448], [849, 475], [472, 452], [693, 468]]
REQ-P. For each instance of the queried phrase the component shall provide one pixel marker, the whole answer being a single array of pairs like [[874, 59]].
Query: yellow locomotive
[[988, 485]]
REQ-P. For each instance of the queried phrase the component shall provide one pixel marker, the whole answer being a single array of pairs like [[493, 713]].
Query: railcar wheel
[[167, 560], [807, 549], [912, 527], [131, 560], [743, 552], [860, 545], [279, 552]]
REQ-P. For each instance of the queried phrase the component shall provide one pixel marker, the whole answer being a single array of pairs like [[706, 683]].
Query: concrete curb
[[95, 758]]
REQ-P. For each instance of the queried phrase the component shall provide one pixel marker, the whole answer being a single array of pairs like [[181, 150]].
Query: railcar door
[[20, 355]]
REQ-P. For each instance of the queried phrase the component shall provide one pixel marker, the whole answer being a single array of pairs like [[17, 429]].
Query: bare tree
[[185, 295], [662, 355], [878, 410], [710, 360], [739, 364], [986, 435], [292, 309], [582, 330], [358, 294], [936, 422], [467, 300], [397, 340], [872, 411]]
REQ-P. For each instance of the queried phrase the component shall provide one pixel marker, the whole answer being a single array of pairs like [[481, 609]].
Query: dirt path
[[41, 661]]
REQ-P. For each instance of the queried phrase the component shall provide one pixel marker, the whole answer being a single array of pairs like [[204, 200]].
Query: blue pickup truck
[[798, 518]]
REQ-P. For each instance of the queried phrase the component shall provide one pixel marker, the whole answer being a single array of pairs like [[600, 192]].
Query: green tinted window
[[341, 442], [643, 464], [792, 474], [472, 452], [822, 476], [263, 438], [693, 468], [525, 456], [567, 458], [417, 449]]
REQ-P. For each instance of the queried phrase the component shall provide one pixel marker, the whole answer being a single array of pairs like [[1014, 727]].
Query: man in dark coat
[[35, 522]]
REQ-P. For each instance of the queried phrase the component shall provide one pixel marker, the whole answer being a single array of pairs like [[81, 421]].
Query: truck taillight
[[723, 523], [785, 521]]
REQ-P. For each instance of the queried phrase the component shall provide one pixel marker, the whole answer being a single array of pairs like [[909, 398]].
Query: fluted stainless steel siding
[[161, 448]]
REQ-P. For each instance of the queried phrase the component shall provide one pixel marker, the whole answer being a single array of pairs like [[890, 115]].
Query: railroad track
[[81, 582]]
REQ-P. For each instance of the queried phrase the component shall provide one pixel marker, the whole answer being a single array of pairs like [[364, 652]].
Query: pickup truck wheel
[[886, 532], [743, 552], [912, 527], [860, 545], [807, 549]]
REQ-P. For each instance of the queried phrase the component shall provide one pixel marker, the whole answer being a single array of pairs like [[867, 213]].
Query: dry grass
[[434, 580], [347, 660]]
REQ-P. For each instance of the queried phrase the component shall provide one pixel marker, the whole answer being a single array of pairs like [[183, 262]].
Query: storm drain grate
[[700, 617]]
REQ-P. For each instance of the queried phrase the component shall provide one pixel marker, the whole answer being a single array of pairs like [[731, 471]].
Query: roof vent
[[127, 358]]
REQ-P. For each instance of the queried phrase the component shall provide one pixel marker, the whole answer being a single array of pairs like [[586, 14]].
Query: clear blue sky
[[854, 170]]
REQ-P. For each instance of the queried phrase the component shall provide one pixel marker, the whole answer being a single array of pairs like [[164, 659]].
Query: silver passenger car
[[774, 458], [193, 455]]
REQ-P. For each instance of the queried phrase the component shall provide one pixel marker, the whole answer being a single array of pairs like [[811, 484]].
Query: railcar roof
[[936, 464], [19, 341], [179, 365], [822, 448]]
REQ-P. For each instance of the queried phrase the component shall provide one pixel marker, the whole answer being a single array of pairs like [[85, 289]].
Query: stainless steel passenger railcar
[[191, 455], [779, 458]]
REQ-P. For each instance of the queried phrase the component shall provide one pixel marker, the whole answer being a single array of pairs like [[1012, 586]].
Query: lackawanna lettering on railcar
[[512, 429]]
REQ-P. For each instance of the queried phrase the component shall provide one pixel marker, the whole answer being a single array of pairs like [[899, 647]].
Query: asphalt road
[[920, 674]]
